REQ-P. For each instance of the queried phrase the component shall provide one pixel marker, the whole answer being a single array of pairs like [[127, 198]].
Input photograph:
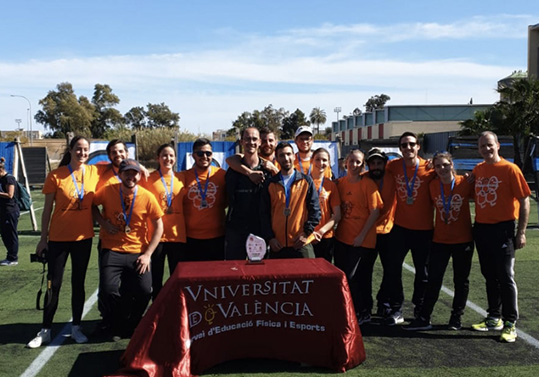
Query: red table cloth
[[210, 312]]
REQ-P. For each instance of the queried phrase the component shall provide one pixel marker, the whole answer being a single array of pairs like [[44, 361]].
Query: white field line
[[482, 312], [50, 349], [27, 212]]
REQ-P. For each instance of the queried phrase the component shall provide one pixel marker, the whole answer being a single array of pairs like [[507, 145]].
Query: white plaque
[[256, 248]]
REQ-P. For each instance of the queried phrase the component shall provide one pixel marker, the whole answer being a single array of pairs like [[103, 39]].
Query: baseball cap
[[303, 129], [129, 164], [376, 152]]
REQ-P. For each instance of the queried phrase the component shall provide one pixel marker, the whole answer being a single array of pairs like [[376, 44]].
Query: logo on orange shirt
[[194, 195], [485, 191], [456, 205]]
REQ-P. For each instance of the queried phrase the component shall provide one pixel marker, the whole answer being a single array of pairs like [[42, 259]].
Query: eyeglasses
[[411, 144], [203, 153]]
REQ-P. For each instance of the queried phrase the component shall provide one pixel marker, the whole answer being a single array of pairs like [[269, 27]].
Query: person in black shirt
[[9, 215]]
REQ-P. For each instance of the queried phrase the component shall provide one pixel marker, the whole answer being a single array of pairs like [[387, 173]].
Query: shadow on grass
[[90, 364]]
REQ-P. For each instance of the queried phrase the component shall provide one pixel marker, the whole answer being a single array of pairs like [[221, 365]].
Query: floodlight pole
[[28, 115]]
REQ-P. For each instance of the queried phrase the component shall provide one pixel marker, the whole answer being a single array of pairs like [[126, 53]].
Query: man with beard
[[376, 161], [290, 209], [243, 198], [108, 174], [414, 224], [266, 152], [125, 278]]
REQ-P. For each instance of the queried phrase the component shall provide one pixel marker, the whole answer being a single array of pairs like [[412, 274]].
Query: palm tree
[[318, 116]]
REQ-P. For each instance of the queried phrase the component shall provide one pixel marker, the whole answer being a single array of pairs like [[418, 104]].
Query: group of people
[[294, 202]]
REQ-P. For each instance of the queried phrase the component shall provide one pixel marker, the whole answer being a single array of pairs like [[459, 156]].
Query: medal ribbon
[[320, 188], [301, 166], [447, 205], [127, 218], [168, 194], [202, 193], [80, 193], [286, 192], [116, 174], [410, 188]]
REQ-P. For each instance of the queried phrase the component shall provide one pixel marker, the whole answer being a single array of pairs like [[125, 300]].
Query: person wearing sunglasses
[[450, 194], [413, 224], [204, 205]]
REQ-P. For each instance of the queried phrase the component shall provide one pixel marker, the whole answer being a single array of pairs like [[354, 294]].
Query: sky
[[210, 61]]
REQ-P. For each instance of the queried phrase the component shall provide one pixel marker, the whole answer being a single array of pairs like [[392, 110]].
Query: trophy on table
[[256, 249]]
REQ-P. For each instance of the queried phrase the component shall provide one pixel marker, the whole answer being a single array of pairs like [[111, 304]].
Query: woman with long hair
[[9, 215], [168, 191], [330, 205], [450, 194], [67, 229], [356, 233]]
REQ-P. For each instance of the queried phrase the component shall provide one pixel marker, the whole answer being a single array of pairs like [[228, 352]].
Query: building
[[533, 51], [392, 121]]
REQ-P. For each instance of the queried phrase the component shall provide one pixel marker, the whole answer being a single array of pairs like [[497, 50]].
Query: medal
[[410, 185], [287, 195], [169, 210], [168, 194], [127, 217], [287, 212], [447, 204], [80, 193], [202, 193]]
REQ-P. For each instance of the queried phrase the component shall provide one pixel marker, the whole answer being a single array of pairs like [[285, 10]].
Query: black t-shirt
[[7, 204]]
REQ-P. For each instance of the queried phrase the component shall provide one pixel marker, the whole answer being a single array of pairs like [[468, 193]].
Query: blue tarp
[[7, 150]]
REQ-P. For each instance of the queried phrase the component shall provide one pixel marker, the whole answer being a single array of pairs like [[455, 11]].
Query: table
[[210, 312]]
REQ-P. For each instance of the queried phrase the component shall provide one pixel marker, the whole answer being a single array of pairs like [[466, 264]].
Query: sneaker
[[454, 323], [363, 318], [43, 337], [7, 262], [394, 319], [383, 310], [418, 324], [488, 324], [77, 335], [509, 333]]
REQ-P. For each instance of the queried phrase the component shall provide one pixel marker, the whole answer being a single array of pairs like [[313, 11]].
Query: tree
[[376, 102], [515, 114], [105, 116], [291, 123], [136, 118], [268, 118], [159, 115], [318, 116], [63, 112]]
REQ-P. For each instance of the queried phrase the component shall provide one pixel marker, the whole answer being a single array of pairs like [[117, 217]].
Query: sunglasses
[[203, 153], [411, 144]]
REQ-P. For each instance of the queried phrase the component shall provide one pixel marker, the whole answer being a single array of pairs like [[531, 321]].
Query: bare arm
[[523, 216], [10, 192], [45, 222], [335, 218], [143, 261], [234, 163], [104, 223], [368, 225]]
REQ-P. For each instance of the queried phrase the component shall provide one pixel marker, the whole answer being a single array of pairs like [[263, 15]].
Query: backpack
[[22, 198]]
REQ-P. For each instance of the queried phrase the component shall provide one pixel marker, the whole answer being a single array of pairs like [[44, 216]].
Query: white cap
[[303, 129]]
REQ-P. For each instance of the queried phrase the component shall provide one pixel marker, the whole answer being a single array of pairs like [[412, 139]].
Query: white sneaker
[[43, 337], [77, 335]]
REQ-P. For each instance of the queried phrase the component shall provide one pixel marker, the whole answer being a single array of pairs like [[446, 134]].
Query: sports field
[[391, 351]]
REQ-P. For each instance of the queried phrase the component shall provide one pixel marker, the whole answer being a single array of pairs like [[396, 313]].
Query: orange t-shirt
[[305, 166], [458, 228], [358, 200], [69, 221], [328, 198], [173, 220], [204, 223], [108, 175], [386, 188], [419, 215], [498, 187], [145, 209]]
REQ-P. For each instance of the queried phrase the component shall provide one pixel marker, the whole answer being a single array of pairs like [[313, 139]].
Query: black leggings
[[56, 260]]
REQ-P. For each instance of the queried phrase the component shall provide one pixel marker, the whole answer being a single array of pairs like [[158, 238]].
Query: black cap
[[376, 152], [129, 164]]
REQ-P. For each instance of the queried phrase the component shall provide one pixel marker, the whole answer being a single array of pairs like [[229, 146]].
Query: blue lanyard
[[301, 166], [447, 205], [168, 194], [202, 193], [116, 174], [286, 191], [321, 185], [80, 193], [127, 218], [410, 188]]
